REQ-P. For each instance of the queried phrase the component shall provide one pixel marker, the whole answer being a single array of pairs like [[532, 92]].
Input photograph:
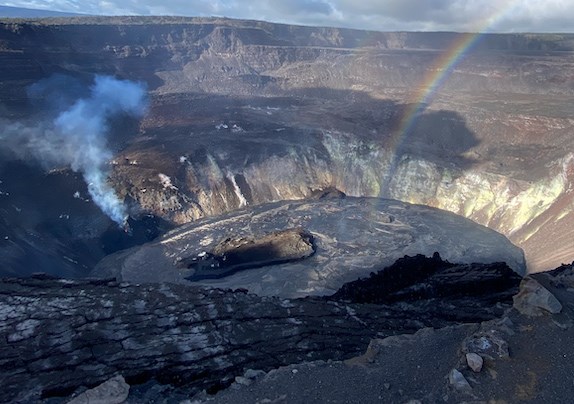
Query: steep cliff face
[[248, 112], [255, 58]]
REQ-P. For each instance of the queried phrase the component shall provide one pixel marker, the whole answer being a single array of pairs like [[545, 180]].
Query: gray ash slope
[[352, 237]]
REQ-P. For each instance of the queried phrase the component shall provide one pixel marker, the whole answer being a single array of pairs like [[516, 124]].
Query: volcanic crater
[[243, 113], [251, 174]]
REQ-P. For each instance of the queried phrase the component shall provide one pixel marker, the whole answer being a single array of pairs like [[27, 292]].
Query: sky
[[381, 15]]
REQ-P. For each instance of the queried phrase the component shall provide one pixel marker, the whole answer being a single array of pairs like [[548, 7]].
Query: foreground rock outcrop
[[523, 359], [58, 335], [441, 284], [351, 238]]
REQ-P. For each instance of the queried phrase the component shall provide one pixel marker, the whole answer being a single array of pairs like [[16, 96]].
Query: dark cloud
[[401, 10], [296, 7], [456, 15]]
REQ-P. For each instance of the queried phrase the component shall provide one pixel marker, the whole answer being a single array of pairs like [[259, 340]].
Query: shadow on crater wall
[[273, 126]]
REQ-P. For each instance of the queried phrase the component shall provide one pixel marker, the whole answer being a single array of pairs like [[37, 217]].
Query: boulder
[[114, 391], [459, 382], [488, 344], [474, 361], [535, 300]]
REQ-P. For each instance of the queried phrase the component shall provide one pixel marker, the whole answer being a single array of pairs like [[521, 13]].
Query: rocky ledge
[[59, 337]]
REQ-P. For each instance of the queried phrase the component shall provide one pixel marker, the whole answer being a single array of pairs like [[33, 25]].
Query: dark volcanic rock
[[433, 277], [462, 291], [187, 47], [329, 192], [48, 223], [59, 335], [234, 254]]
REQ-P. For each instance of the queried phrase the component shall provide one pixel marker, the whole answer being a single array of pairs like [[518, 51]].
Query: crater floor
[[352, 237]]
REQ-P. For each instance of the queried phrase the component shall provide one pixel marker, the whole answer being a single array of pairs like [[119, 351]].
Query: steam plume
[[77, 137]]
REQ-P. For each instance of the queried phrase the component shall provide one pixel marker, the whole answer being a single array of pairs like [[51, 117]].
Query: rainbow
[[437, 75]]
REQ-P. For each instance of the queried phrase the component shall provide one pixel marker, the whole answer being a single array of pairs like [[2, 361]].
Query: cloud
[[298, 7], [386, 15], [457, 15]]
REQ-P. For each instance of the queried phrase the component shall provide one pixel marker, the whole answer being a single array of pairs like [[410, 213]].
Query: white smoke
[[77, 137]]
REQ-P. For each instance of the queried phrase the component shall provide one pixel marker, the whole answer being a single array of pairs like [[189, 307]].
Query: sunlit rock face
[[243, 113]]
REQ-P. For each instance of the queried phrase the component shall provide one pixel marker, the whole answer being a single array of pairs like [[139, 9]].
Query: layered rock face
[[244, 113]]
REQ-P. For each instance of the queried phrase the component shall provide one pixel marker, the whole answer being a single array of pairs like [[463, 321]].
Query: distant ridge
[[18, 12]]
